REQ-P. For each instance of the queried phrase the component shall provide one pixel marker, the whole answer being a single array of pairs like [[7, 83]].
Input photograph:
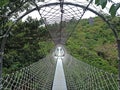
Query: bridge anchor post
[[118, 45]]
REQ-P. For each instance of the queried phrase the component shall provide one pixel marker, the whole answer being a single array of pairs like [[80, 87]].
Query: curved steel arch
[[77, 5], [52, 4]]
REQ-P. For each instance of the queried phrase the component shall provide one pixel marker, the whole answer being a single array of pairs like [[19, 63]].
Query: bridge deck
[[59, 78]]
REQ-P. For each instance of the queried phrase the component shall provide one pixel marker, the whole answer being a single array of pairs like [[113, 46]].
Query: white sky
[[86, 15]]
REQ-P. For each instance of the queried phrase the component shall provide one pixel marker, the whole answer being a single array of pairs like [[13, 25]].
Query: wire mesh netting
[[79, 76], [82, 76], [37, 76], [61, 20]]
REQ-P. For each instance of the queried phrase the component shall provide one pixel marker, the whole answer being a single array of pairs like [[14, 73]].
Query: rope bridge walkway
[[60, 18], [59, 78]]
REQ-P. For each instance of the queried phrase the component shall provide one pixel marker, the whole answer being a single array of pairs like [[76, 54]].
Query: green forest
[[95, 44], [29, 42]]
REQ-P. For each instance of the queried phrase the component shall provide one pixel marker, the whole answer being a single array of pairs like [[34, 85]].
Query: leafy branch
[[112, 10]]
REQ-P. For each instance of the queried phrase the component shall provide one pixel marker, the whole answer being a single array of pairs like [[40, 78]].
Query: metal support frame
[[61, 22], [118, 45], [1, 57]]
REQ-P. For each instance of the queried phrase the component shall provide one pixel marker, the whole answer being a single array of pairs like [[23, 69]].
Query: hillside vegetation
[[95, 44]]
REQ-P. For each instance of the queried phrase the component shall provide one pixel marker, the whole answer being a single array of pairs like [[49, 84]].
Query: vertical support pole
[[118, 44], [1, 57], [61, 21]]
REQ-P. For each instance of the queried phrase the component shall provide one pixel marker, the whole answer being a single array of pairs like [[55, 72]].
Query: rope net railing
[[82, 76], [37, 76], [78, 75]]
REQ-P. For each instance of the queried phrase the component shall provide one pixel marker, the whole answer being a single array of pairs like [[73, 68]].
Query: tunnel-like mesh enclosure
[[60, 17]]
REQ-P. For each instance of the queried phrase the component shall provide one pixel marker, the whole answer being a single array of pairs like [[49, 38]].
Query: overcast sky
[[86, 15]]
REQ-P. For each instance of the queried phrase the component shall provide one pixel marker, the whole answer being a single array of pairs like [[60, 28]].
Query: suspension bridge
[[59, 70]]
